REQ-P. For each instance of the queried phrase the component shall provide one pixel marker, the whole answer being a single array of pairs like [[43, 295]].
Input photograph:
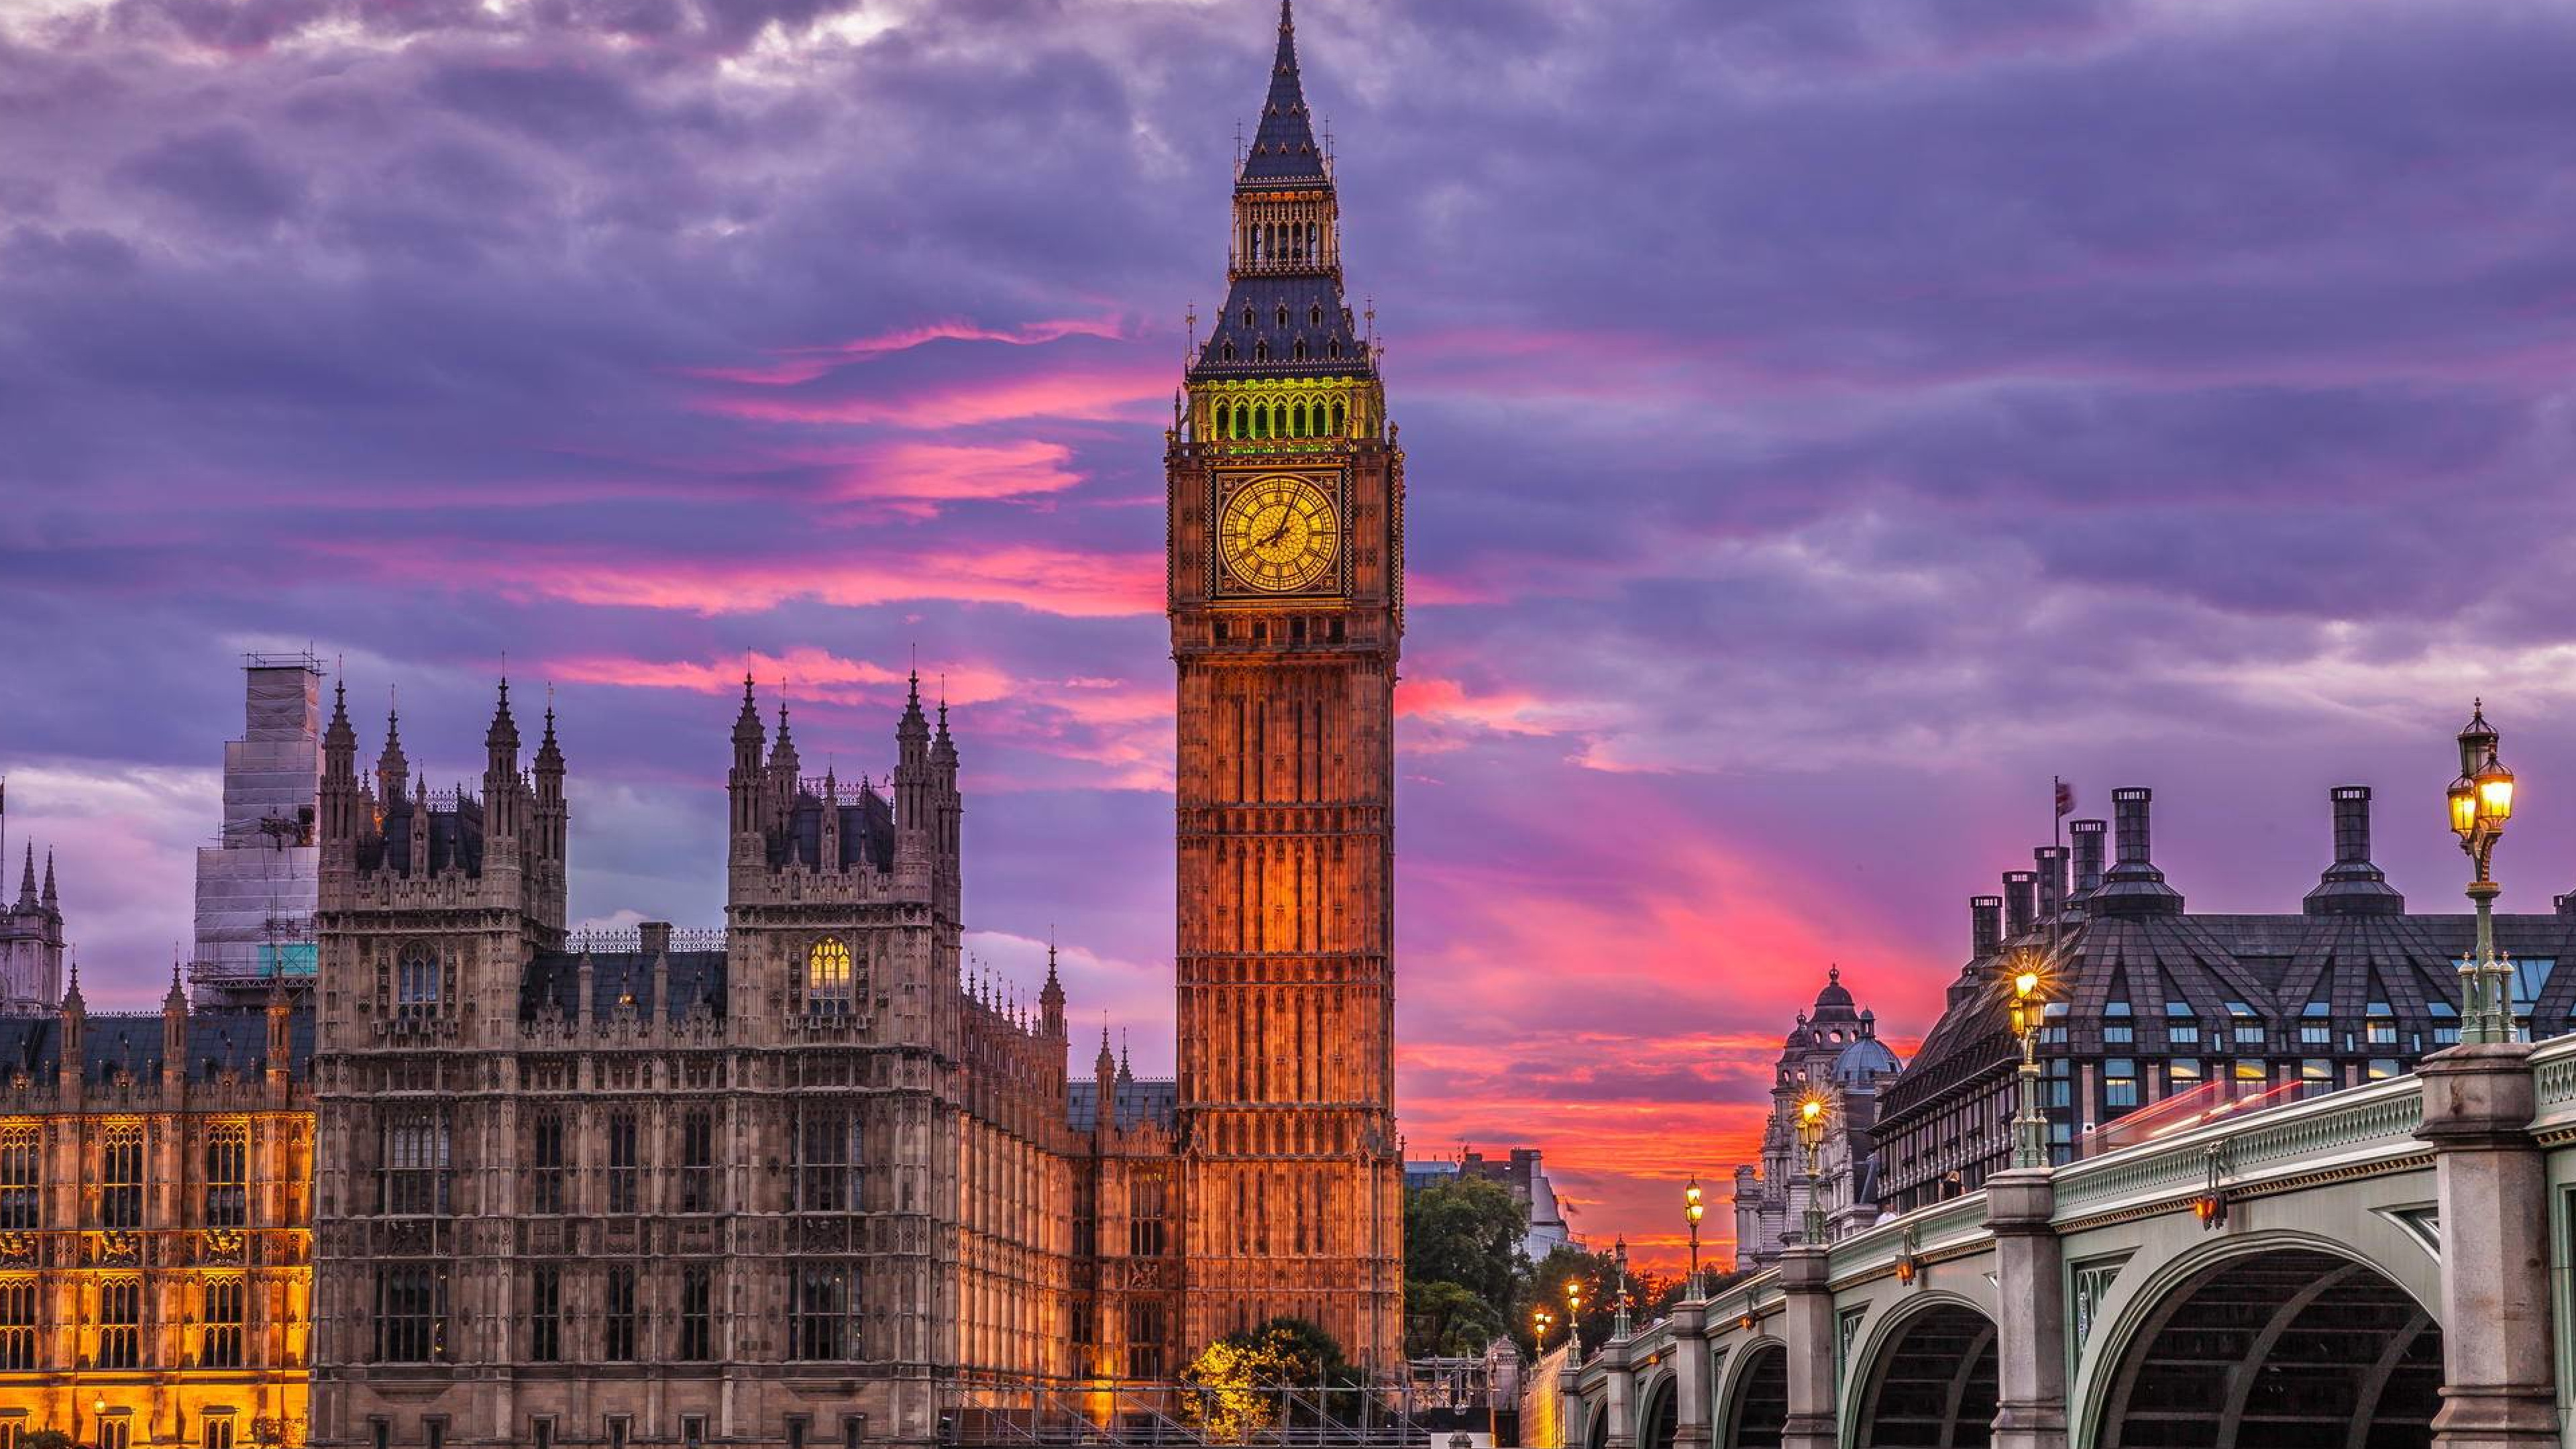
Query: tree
[[1466, 1231], [46, 1439], [1447, 1320], [1286, 1369]]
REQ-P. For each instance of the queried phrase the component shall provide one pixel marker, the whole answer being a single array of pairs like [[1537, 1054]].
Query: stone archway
[[2281, 1349], [1659, 1416], [1932, 1382], [1758, 1408], [1596, 1423]]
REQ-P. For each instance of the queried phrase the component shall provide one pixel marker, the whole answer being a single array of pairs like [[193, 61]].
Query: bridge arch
[[1755, 1399], [1925, 1377], [1658, 1414], [2274, 1339]]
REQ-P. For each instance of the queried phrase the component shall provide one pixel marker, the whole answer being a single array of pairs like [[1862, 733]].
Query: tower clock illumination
[[1287, 607], [1278, 534]]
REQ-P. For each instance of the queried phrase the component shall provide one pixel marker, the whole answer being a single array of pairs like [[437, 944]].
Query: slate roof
[[1283, 147], [554, 978], [867, 832], [1266, 346], [1136, 1100], [219, 1039]]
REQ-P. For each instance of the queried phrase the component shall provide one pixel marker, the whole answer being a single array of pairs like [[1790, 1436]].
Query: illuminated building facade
[[1286, 539]]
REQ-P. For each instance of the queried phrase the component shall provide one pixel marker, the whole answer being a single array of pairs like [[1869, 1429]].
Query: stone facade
[[155, 1224], [31, 944], [1833, 1052], [790, 1183], [1287, 607]]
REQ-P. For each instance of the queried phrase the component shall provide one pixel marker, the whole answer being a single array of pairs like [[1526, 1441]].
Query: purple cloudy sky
[[1827, 419]]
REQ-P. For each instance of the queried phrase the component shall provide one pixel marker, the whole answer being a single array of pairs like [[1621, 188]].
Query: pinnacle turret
[[504, 733], [50, 901], [1283, 146], [27, 881]]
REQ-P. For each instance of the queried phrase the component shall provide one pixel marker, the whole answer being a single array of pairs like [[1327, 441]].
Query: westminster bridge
[[2384, 1266]]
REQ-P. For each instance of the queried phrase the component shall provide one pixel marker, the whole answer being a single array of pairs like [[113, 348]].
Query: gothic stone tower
[[1286, 544]]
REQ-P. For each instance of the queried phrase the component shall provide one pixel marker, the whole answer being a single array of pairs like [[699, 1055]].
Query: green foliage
[[1445, 1320], [1466, 1232], [1285, 1370], [1652, 1295], [46, 1439]]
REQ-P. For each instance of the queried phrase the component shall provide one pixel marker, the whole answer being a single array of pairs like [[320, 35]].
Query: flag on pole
[[2065, 797]]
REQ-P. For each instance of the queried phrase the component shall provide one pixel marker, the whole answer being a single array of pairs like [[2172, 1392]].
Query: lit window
[[218, 1432], [2181, 1027], [2118, 1029], [2382, 1068], [827, 977], [2119, 1084], [2317, 1072], [2182, 1074], [2250, 1070]]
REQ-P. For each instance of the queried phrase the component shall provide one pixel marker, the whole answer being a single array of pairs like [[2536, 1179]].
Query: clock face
[[1278, 534]]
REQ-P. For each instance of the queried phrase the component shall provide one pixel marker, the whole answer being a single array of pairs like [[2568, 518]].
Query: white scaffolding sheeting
[[256, 886]]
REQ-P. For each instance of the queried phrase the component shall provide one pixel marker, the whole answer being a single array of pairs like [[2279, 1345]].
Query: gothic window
[[1299, 353], [625, 1174], [545, 1315], [827, 978], [546, 1170], [827, 1159], [228, 1177], [1338, 427], [217, 1432], [416, 981], [1261, 351], [120, 1178], [1148, 1226], [21, 1178], [413, 1176], [620, 1319], [1228, 351], [411, 1313], [1297, 427], [1247, 318], [1283, 314], [1144, 1339], [120, 1323], [697, 1324], [1315, 316], [222, 1345], [821, 1312], [698, 1161], [17, 1323], [1333, 350]]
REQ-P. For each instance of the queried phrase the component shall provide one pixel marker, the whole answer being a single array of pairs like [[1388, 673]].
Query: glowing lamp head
[[1692, 1207], [1810, 1110], [2026, 984], [2495, 793], [2464, 808]]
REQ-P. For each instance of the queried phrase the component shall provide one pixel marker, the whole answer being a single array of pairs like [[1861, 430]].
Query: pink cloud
[[1046, 580], [804, 364]]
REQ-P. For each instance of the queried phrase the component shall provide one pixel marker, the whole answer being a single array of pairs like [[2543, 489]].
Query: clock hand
[[1275, 534]]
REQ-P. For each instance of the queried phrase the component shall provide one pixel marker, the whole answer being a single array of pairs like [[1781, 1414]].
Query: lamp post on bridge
[[2028, 984], [1574, 1316], [2481, 801], [1692, 1209], [1811, 1138], [1623, 1324]]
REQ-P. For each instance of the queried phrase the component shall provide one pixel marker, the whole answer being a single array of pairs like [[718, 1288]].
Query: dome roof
[[1834, 1000], [1864, 1062]]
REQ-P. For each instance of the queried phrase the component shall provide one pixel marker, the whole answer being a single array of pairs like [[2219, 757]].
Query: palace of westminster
[[410, 1163]]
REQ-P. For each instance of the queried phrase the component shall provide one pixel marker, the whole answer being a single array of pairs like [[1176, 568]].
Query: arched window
[[1283, 314], [1261, 421], [416, 981], [1315, 315], [1300, 351], [1301, 416], [1338, 425], [1333, 349], [827, 978], [1227, 352], [1247, 317], [1261, 352]]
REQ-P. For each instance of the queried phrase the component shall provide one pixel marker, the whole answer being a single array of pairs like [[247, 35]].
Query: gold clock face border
[[1328, 580]]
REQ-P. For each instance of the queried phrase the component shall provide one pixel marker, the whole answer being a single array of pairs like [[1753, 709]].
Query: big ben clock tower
[[1286, 539]]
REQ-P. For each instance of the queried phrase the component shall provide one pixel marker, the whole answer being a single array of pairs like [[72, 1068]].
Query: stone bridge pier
[[2383, 1267]]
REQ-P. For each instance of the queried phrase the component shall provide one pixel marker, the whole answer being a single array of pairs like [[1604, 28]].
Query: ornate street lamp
[[2028, 983], [1623, 1325], [1540, 1318], [1574, 1315], [2481, 802], [1692, 1210], [1811, 1137]]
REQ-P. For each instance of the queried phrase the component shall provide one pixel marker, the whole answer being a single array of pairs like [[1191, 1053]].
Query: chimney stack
[[654, 937], [2133, 886], [2021, 901], [2352, 886], [2051, 863], [2087, 835], [1985, 925]]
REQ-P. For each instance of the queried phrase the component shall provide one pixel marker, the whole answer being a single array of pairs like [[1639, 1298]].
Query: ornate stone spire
[[1283, 146], [27, 881]]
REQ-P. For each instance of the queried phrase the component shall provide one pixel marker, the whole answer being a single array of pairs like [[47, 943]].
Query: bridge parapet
[[2350, 1133]]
